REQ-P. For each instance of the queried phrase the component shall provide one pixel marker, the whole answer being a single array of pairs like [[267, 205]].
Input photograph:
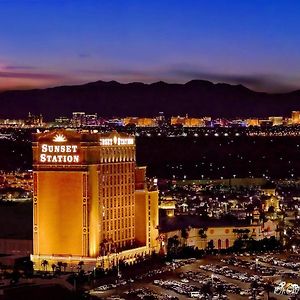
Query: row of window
[[117, 190], [114, 202], [117, 224], [116, 179], [109, 214], [117, 168], [117, 154], [119, 236]]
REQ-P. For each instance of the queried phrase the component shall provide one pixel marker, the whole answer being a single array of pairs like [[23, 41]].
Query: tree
[[252, 245], [207, 290], [202, 233], [268, 287], [53, 266], [64, 265], [220, 289], [184, 235], [80, 265], [271, 209], [45, 264], [15, 276], [173, 244], [59, 265], [254, 286], [238, 244], [210, 245], [28, 268]]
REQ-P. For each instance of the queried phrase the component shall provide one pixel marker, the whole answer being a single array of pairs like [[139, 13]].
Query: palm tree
[[268, 288], [172, 245], [202, 233], [210, 245], [80, 265], [45, 264], [220, 289], [59, 265], [53, 266], [254, 286], [207, 290], [64, 265], [184, 235]]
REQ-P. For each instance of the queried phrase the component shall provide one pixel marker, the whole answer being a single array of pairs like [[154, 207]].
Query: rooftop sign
[[116, 141], [59, 153]]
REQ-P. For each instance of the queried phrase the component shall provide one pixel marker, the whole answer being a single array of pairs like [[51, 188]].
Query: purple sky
[[252, 42]]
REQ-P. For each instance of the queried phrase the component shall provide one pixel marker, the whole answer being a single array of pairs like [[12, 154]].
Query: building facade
[[222, 237], [86, 206]]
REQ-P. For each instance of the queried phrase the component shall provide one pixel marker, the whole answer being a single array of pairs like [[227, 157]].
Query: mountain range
[[108, 99]]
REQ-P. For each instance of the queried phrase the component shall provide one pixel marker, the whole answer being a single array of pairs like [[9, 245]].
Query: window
[[219, 244], [227, 243]]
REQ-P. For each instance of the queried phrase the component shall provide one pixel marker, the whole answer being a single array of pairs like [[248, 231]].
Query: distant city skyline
[[50, 43]]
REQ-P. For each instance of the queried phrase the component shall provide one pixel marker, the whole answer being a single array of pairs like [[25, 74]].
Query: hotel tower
[[91, 202]]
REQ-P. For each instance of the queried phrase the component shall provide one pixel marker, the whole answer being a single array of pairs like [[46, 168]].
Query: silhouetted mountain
[[196, 97]]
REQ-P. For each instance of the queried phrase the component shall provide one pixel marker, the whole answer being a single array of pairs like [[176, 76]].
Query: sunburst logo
[[59, 138]]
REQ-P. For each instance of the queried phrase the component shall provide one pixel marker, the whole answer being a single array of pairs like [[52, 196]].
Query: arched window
[[227, 243], [219, 244]]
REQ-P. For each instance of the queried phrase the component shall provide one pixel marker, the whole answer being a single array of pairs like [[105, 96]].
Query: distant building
[[252, 122], [33, 120], [265, 123], [276, 121], [78, 119], [91, 120], [187, 122], [167, 207], [296, 117], [140, 122], [62, 121]]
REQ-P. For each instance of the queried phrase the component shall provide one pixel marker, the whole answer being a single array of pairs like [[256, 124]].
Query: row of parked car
[[250, 265], [285, 263], [145, 293], [217, 283], [170, 266]]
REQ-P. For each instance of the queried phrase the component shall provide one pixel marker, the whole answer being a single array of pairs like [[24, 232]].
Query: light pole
[[119, 275]]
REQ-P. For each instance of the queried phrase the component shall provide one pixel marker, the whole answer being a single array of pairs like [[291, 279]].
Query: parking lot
[[215, 277]]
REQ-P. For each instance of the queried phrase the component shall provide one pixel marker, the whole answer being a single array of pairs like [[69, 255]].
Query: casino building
[[91, 204]]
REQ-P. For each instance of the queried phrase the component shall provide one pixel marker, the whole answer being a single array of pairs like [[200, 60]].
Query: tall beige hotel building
[[91, 202]]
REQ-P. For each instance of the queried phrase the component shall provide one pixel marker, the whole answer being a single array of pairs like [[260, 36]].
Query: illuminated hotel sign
[[116, 141], [66, 153]]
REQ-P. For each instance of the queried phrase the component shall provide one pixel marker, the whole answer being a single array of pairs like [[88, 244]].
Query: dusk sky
[[49, 42]]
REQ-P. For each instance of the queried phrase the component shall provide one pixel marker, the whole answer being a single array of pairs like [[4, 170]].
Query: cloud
[[115, 72], [84, 55], [19, 67], [30, 75], [258, 82], [122, 75], [241, 79]]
